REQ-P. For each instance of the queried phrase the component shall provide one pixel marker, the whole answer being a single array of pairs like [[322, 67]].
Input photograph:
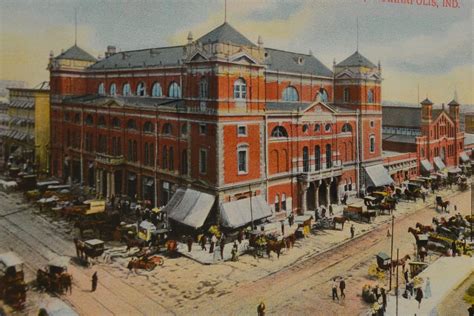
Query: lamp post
[[391, 252], [396, 289]]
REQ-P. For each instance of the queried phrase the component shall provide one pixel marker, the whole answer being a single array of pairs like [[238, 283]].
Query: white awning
[[189, 207], [454, 170], [439, 164], [426, 165], [239, 213], [378, 176], [10, 259], [464, 157]]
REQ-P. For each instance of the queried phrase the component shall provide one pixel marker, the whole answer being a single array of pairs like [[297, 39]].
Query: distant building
[[433, 134], [469, 122], [27, 138], [6, 84], [4, 119]]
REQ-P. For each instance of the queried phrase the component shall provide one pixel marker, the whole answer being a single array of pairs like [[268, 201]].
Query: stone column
[[328, 192], [112, 184], [304, 202], [99, 182], [316, 194]]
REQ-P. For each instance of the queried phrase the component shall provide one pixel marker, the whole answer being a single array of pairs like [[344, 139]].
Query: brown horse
[[290, 241], [275, 246], [65, 281], [424, 228], [171, 246], [387, 206], [400, 262], [414, 231], [339, 220], [443, 204]]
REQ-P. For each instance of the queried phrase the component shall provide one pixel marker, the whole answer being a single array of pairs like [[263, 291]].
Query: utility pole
[[396, 289], [391, 254], [251, 208]]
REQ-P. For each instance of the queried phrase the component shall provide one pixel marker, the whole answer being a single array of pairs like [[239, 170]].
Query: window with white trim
[[290, 94], [126, 91], [156, 90], [372, 143], [141, 89], [174, 90], [101, 89], [370, 96], [346, 95], [240, 89], [242, 130], [277, 203], [203, 129], [113, 89], [242, 159], [203, 89], [283, 202]]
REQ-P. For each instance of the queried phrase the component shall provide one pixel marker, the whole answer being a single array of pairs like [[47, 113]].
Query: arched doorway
[[311, 197], [443, 154], [322, 194], [333, 195]]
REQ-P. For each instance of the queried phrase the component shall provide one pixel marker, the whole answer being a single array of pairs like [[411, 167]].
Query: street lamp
[[391, 252]]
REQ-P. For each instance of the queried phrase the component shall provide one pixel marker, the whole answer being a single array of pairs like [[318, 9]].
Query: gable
[[198, 57], [319, 108], [242, 58], [444, 115]]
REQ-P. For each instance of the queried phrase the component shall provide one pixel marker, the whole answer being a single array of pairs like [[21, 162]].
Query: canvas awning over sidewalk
[[378, 176], [439, 163], [239, 213], [426, 165], [189, 207]]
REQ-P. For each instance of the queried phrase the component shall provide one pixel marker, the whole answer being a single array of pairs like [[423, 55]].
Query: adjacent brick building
[[221, 115]]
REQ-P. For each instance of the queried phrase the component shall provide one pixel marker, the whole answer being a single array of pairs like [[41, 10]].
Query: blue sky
[[421, 45]]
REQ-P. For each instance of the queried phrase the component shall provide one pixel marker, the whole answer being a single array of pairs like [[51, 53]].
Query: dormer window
[[322, 95], [300, 60]]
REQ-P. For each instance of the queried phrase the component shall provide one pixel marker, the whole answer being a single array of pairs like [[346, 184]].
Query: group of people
[[214, 243], [417, 292], [341, 284]]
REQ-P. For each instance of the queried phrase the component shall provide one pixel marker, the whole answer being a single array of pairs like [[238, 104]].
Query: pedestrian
[[352, 231], [453, 247], [216, 255], [95, 279], [240, 236], [190, 241], [342, 287], [203, 242], [471, 310], [388, 233], [419, 296], [376, 292], [423, 196], [405, 274], [423, 253], [261, 309], [323, 212], [222, 244], [384, 299], [291, 219], [235, 252], [213, 243], [331, 210], [334, 290], [428, 288]]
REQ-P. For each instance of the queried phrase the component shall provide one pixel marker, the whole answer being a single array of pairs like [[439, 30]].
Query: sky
[[421, 48]]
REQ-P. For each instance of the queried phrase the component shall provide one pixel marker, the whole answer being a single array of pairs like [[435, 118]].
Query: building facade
[[221, 115], [469, 122], [28, 134]]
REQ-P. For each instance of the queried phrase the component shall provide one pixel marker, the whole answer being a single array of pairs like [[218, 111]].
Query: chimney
[[110, 51]]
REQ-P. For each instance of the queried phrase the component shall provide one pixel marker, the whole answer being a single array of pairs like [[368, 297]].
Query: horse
[[443, 204], [275, 246], [424, 229], [290, 241], [42, 280], [400, 262], [139, 243], [89, 224], [171, 246], [414, 231], [339, 220], [65, 281], [387, 206]]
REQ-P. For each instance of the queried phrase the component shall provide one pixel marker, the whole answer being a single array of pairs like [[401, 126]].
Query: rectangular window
[[202, 129], [372, 144], [242, 130], [242, 160], [203, 161]]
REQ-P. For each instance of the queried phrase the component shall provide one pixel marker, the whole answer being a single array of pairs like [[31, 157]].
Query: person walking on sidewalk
[[419, 296], [95, 279], [203, 242], [213, 243], [352, 231], [342, 287], [222, 244], [334, 290], [384, 299], [190, 241], [261, 309]]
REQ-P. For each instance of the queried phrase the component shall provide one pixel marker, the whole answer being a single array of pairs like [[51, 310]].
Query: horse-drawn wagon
[[359, 212], [55, 278], [12, 284], [416, 268], [383, 261], [91, 248]]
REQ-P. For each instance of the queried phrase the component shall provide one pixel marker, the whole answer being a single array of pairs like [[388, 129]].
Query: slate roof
[[225, 33], [401, 116], [165, 56], [76, 53], [279, 60], [356, 60], [134, 101], [399, 138]]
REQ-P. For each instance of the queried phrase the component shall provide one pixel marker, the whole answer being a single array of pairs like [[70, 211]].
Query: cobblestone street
[[298, 282]]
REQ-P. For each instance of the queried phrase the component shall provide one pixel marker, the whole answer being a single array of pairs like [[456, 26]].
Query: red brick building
[[433, 134], [220, 115]]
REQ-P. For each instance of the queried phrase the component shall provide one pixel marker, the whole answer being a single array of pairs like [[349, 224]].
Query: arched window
[[290, 94], [141, 89], [347, 128], [370, 96], [131, 124], [317, 157], [101, 89], [327, 127], [89, 120], [113, 89], [166, 130], [347, 95], [322, 95], [156, 90], [174, 90], [328, 156], [126, 90], [305, 128], [203, 89], [148, 127], [277, 203], [184, 129], [115, 123], [279, 131], [101, 121], [184, 162], [283, 202], [305, 159], [317, 127], [240, 89], [164, 162], [171, 158], [372, 143]]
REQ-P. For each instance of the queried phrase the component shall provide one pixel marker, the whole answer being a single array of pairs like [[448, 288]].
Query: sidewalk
[[445, 274], [204, 257]]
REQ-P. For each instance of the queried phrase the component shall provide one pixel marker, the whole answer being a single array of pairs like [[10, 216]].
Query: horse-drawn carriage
[[359, 212], [12, 284], [416, 268], [383, 261], [441, 203], [92, 248], [371, 202], [54, 278], [462, 183], [146, 262]]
